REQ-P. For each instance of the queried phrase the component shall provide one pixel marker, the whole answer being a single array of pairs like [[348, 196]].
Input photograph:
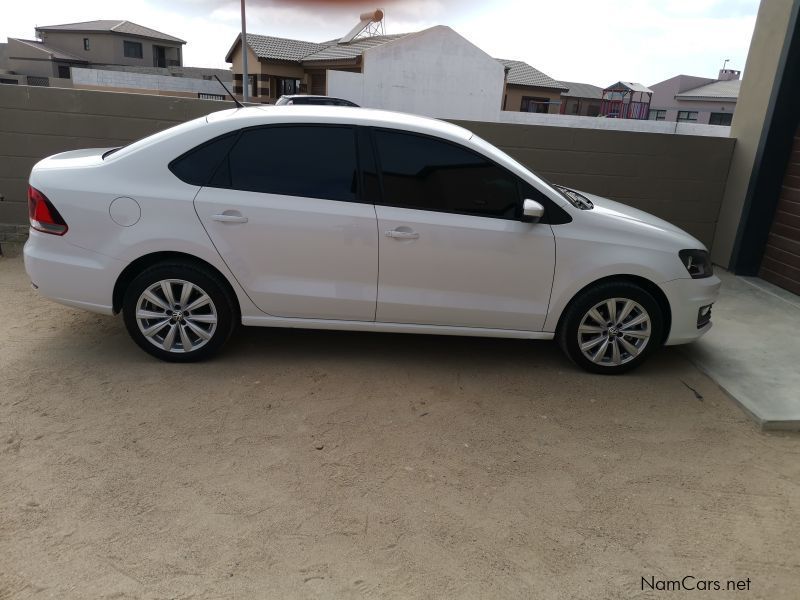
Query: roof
[[54, 53], [716, 90], [277, 48], [112, 26], [354, 49], [521, 73], [582, 90], [630, 86]]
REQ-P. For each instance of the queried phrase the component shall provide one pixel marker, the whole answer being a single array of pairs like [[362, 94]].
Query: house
[[685, 98], [582, 99], [436, 63], [530, 90]]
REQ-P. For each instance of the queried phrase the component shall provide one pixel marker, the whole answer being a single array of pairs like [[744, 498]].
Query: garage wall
[[678, 177]]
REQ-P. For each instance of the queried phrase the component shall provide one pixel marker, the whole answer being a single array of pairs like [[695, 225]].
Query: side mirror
[[532, 211]]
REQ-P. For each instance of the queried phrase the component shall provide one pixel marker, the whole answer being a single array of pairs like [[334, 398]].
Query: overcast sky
[[576, 40]]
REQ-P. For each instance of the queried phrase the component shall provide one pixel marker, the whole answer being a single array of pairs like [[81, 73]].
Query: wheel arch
[[130, 272], [648, 285]]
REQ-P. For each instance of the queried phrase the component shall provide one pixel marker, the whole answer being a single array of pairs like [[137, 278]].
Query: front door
[[452, 248], [283, 214]]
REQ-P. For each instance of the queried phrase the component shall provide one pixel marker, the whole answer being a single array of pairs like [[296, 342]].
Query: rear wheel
[[178, 312], [611, 328]]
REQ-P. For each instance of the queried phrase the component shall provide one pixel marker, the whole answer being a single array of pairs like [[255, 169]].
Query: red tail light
[[44, 216]]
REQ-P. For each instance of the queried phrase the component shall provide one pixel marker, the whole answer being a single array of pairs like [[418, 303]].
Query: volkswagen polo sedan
[[355, 219]]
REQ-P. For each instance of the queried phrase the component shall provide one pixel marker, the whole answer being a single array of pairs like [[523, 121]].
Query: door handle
[[399, 234], [229, 218]]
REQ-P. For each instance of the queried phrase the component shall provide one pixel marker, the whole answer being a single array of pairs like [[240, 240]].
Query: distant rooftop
[[630, 86], [54, 53], [112, 26], [716, 90], [521, 73], [581, 90]]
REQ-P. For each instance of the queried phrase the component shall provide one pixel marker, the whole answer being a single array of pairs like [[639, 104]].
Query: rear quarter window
[[197, 166]]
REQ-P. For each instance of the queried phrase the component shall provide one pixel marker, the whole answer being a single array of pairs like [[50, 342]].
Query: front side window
[[299, 160], [429, 174], [132, 49], [687, 116]]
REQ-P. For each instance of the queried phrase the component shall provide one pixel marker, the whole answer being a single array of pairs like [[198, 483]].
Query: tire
[[195, 324], [637, 324]]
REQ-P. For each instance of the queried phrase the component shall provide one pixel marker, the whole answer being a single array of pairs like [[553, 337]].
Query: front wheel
[[611, 328], [178, 312]]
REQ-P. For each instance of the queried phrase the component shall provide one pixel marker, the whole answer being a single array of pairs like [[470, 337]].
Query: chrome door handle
[[226, 218], [401, 235]]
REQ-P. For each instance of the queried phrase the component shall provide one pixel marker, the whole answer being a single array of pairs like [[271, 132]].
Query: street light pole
[[245, 77]]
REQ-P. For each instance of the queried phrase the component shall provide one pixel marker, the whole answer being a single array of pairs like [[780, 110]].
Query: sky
[[596, 42]]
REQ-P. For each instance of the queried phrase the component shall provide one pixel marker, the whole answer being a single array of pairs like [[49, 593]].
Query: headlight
[[697, 262]]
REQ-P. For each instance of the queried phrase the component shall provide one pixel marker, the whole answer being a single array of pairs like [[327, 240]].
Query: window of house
[[430, 174], [63, 72], [720, 118], [534, 105], [658, 115], [85, 43], [132, 49], [687, 116], [307, 160]]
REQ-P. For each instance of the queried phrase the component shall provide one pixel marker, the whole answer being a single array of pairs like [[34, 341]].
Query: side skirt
[[394, 328]]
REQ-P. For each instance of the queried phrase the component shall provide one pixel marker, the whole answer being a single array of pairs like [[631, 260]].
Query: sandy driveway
[[331, 465]]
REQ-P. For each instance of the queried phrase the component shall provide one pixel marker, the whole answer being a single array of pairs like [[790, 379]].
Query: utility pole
[[245, 76]]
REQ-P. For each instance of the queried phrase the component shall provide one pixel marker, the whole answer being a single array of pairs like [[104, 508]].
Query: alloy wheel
[[614, 332], [176, 315]]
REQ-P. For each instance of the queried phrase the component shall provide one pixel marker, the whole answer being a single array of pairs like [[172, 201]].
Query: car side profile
[[355, 219]]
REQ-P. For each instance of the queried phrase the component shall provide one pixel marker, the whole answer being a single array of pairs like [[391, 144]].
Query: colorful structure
[[626, 100]]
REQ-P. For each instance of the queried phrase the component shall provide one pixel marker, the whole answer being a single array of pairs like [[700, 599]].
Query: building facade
[[581, 99], [689, 99]]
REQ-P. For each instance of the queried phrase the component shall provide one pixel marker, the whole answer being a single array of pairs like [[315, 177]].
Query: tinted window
[[421, 172], [199, 165], [311, 161]]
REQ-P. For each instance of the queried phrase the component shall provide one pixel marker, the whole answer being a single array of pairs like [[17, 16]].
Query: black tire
[[222, 307], [570, 339]]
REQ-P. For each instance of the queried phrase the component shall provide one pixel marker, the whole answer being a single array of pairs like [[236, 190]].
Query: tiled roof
[[521, 73], [113, 26], [722, 90], [582, 90], [336, 51], [276, 48], [54, 53]]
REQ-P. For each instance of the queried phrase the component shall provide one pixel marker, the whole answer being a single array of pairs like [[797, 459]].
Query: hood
[[623, 214]]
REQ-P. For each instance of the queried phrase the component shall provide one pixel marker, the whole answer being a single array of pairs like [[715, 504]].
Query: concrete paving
[[752, 351]]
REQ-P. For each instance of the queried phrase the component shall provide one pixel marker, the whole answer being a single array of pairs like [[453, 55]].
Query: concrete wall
[[678, 177], [435, 73], [144, 81], [749, 120], [36, 122]]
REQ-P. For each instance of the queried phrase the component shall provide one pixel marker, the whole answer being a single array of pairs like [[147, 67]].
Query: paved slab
[[753, 350]]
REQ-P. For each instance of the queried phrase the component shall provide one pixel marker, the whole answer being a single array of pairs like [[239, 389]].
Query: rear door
[[284, 212], [453, 250]]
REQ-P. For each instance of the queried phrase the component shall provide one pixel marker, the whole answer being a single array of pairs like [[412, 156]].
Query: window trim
[[553, 213]]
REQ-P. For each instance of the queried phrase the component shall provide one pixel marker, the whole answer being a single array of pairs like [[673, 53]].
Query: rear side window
[[197, 166], [429, 174], [299, 160]]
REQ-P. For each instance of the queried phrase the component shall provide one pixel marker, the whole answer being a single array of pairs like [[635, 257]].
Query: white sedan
[[348, 218]]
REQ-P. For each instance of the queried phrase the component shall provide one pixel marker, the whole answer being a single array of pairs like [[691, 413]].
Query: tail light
[[44, 216]]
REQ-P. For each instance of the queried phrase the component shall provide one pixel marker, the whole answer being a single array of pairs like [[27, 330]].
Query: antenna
[[238, 104], [727, 60]]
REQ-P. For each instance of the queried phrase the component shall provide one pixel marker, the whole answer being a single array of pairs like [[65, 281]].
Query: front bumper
[[686, 297], [71, 275]]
